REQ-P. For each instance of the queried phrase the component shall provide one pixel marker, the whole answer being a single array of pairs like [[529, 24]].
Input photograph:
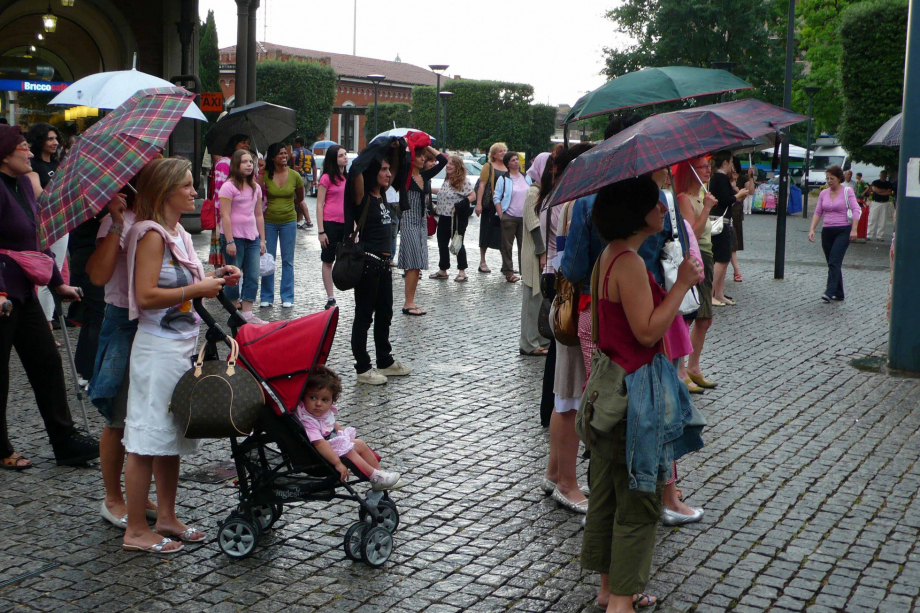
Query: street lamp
[[49, 20], [438, 69], [811, 91], [67, 2], [445, 96], [779, 263], [375, 79]]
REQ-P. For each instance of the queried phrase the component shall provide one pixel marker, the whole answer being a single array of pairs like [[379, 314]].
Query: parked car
[[473, 168]]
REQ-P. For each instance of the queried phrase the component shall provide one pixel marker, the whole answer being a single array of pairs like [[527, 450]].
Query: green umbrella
[[654, 86]]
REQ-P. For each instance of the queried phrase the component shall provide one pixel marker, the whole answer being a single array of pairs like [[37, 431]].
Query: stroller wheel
[[353, 539], [266, 515], [389, 513], [376, 546], [237, 537]]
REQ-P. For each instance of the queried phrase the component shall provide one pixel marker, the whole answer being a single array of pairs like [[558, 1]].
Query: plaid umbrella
[[106, 157], [669, 138]]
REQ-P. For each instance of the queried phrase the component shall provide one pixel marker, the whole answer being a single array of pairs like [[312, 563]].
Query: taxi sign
[[212, 102]]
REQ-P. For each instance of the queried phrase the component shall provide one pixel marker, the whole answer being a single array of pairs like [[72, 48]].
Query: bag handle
[[231, 358], [595, 292]]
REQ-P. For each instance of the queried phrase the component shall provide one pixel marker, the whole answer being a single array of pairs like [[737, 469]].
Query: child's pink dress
[[323, 428]]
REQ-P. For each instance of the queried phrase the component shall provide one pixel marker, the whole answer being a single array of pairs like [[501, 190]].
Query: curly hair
[[324, 378], [38, 135]]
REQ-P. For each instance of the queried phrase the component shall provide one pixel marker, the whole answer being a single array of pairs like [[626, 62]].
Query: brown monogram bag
[[215, 399]]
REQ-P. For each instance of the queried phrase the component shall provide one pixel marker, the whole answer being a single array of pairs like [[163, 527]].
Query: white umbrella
[[109, 90], [399, 133]]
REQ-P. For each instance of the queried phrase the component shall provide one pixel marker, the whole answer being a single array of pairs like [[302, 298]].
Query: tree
[[481, 113], [307, 87], [873, 38], [699, 32], [208, 55], [388, 113]]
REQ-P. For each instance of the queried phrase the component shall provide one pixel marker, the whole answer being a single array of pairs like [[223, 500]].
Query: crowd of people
[[618, 288]]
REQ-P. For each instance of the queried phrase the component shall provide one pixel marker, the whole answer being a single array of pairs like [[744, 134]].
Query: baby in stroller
[[317, 414]]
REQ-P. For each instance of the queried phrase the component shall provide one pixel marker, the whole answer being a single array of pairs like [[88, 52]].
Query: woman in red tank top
[[633, 315]]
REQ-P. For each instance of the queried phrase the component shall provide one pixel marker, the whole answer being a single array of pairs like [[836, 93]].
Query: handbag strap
[[595, 281], [231, 358]]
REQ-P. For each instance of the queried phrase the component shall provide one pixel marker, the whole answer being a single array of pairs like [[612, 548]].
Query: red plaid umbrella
[[106, 157], [669, 138]]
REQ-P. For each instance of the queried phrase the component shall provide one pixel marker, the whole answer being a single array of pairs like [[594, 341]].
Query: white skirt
[[157, 364]]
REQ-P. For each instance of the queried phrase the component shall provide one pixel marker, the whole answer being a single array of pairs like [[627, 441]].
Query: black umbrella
[[889, 135], [264, 123]]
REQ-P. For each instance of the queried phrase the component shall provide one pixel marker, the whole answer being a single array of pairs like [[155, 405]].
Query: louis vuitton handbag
[[217, 399]]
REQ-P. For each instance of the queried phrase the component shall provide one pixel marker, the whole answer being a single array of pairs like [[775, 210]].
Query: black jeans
[[547, 398], [834, 241], [90, 313], [26, 330], [445, 233], [373, 303]]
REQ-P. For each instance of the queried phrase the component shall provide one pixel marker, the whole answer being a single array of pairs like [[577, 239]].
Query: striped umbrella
[[662, 140], [106, 157]]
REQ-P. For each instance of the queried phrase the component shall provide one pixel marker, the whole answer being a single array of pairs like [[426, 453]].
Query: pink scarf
[[535, 172], [137, 231]]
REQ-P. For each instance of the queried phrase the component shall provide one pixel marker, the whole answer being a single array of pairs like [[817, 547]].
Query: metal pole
[[354, 32], [437, 113], [376, 132], [253, 52], [444, 147], [805, 187], [904, 336], [779, 263]]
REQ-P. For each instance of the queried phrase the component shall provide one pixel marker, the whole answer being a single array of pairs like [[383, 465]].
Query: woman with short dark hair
[[330, 213], [634, 313], [720, 185], [838, 206], [222, 167]]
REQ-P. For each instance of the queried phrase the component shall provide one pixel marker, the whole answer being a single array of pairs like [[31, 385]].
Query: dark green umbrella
[[654, 86]]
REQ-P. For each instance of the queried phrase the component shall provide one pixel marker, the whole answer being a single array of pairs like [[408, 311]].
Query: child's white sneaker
[[385, 480]]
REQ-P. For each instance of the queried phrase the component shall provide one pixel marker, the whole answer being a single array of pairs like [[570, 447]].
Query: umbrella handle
[[706, 189]]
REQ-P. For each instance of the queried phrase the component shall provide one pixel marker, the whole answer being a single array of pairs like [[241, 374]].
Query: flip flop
[[538, 352], [186, 535], [481, 270], [419, 312], [512, 278], [158, 548], [461, 279], [639, 599], [438, 275], [13, 462]]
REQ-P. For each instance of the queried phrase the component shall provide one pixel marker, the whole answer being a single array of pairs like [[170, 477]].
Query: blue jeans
[[247, 259], [287, 232]]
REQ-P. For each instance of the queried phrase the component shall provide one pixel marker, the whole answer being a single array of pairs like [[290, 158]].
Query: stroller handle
[[236, 318]]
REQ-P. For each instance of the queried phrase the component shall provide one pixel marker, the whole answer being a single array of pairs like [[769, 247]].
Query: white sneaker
[[287, 305], [385, 480], [372, 377], [396, 369], [265, 305]]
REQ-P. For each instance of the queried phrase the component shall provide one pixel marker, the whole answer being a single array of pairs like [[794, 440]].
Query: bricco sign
[[46, 87]]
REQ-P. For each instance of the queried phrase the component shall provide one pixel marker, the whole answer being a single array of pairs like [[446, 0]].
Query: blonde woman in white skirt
[[164, 275]]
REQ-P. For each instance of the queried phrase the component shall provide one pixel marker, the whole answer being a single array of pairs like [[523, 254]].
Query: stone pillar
[[253, 53], [186, 28], [241, 90]]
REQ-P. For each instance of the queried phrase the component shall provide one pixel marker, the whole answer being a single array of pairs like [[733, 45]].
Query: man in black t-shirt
[[879, 205]]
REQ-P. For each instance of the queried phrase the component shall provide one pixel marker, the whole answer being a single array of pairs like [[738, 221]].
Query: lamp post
[[438, 69], [376, 79], [811, 91], [779, 264], [445, 96]]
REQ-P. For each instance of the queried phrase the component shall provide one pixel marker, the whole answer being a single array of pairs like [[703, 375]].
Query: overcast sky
[[554, 45]]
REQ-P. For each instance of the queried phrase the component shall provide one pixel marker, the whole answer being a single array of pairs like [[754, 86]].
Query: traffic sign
[[212, 103]]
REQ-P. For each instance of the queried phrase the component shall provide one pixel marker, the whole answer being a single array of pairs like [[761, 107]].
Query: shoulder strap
[[675, 235], [367, 207], [595, 291]]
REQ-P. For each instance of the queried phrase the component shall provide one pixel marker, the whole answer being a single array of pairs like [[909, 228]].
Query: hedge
[[873, 37], [388, 113], [307, 87], [483, 112]]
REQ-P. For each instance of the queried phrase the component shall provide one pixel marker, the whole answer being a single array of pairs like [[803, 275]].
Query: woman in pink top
[[835, 204], [242, 235], [330, 213]]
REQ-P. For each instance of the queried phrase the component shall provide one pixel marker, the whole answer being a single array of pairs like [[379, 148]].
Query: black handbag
[[217, 399], [350, 257]]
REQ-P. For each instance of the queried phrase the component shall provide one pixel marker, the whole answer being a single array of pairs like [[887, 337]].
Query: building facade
[[354, 101]]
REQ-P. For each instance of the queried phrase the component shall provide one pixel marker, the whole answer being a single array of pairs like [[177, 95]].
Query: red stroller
[[277, 464]]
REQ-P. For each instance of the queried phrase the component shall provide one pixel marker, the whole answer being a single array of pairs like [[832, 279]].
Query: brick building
[[354, 100]]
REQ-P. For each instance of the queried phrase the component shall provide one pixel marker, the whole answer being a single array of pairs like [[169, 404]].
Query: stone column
[[253, 53], [241, 90]]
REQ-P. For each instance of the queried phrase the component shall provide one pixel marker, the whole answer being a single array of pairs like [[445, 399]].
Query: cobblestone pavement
[[808, 478]]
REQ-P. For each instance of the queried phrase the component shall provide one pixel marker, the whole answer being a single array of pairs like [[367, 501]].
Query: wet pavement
[[809, 476]]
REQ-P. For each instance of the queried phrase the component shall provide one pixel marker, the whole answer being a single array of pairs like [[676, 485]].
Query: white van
[[828, 153]]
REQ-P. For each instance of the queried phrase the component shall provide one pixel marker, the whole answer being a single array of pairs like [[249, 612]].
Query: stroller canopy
[[282, 353]]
